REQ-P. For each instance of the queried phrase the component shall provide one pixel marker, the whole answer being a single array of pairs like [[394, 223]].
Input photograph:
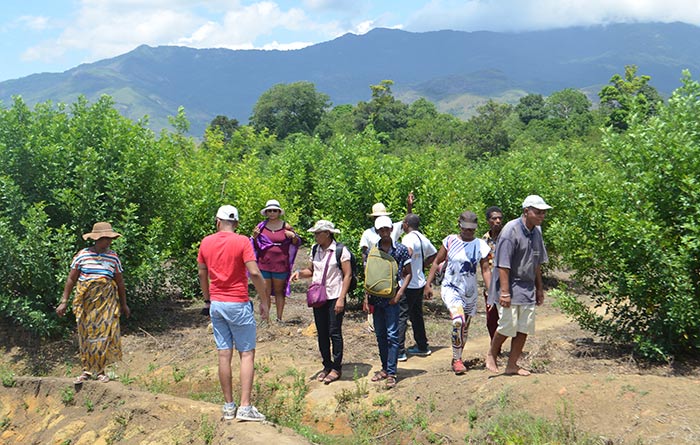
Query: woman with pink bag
[[335, 280]]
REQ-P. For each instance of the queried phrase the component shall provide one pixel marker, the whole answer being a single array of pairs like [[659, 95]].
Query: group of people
[[509, 258]]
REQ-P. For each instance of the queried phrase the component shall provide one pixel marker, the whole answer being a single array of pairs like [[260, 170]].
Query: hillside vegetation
[[622, 179]]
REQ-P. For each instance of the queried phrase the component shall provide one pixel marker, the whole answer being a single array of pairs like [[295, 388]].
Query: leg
[[403, 323], [379, 318], [415, 304], [267, 298], [491, 319], [458, 325], [247, 374], [279, 289], [516, 349], [392, 335], [336, 335], [321, 318], [225, 356], [496, 343]]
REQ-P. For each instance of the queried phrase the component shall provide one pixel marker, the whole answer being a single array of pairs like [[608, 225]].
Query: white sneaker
[[229, 410], [249, 413]]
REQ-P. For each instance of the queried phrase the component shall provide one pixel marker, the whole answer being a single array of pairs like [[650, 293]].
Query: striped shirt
[[93, 265]]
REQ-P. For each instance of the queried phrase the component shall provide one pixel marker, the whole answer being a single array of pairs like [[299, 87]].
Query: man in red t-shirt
[[225, 261]]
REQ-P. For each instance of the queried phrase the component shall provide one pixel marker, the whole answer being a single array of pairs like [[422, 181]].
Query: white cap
[[537, 202], [382, 221], [227, 213], [323, 225]]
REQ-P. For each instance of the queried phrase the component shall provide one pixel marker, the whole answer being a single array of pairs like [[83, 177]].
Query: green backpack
[[380, 274]]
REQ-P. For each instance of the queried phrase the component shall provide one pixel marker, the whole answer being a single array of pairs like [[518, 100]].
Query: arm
[[302, 273], [486, 274], [203, 274], [409, 202], [291, 234], [121, 290], [504, 276], [539, 288], [347, 277], [259, 283], [406, 274], [73, 276], [439, 258]]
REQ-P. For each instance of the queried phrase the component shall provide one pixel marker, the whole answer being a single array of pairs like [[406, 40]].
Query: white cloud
[[34, 23], [518, 15]]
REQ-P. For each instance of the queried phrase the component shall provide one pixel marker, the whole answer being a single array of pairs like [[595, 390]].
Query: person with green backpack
[[387, 274]]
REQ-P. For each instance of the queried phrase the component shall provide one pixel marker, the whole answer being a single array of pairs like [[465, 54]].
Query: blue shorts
[[234, 325], [274, 275]]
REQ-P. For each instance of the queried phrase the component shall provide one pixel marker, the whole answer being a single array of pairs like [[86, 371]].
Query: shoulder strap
[[338, 253], [325, 271]]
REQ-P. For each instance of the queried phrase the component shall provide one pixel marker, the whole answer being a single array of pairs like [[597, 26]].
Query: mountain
[[443, 66]]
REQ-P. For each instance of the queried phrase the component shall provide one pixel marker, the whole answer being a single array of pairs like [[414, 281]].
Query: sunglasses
[[272, 210]]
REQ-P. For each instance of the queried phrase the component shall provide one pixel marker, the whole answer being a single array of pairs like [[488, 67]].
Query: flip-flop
[[84, 377], [379, 375], [322, 375], [104, 378], [332, 377]]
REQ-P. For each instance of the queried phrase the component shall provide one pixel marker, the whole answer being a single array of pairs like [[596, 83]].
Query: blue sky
[[56, 35]]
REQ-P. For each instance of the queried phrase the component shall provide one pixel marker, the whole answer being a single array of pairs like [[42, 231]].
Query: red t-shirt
[[225, 255]]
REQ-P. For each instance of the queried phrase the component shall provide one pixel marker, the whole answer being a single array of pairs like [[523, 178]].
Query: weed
[[345, 396], [152, 367], [126, 379], [207, 430], [4, 423], [178, 375], [68, 396], [381, 400], [472, 415], [67, 442], [89, 405], [7, 377], [157, 385]]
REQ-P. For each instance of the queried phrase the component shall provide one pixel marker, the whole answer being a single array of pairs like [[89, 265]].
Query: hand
[[410, 199], [365, 305], [126, 311], [295, 276], [264, 311], [504, 300], [61, 309], [428, 292], [539, 297], [340, 305], [289, 234], [256, 232]]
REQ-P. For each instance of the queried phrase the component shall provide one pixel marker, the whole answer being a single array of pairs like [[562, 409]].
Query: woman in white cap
[[99, 299], [275, 244], [463, 253], [329, 317]]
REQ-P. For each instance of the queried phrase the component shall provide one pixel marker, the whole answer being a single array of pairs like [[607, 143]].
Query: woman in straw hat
[[329, 317], [100, 298], [275, 244]]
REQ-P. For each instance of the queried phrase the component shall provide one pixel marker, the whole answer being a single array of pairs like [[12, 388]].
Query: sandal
[[379, 375], [104, 378], [84, 377], [332, 377], [322, 375], [390, 381]]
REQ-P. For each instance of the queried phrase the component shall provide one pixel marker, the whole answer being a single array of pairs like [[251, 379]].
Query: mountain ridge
[[437, 65]]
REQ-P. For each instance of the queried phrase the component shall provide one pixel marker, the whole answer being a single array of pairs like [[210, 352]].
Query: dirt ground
[[165, 391]]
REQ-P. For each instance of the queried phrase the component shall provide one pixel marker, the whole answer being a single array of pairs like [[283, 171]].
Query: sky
[[55, 35]]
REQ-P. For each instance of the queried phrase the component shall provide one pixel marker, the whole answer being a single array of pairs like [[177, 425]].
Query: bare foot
[[517, 371], [491, 364]]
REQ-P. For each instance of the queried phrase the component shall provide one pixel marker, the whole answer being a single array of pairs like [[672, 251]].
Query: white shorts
[[516, 318]]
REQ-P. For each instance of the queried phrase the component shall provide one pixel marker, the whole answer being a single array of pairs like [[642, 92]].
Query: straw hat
[[101, 230], [272, 204], [379, 210]]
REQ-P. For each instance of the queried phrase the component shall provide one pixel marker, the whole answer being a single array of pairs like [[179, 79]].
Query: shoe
[[249, 413], [458, 367], [229, 410], [84, 377], [403, 357], [413, 350], [391, 382]]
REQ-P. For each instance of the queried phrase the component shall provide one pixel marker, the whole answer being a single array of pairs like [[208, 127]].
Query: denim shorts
[[274, 275], [234, 325]]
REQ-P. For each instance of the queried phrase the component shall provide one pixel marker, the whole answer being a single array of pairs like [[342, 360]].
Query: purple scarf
[[262, 243]]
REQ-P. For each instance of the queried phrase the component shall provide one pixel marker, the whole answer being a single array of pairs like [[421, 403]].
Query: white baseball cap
[[227, 213], [382, 221], [537, 202]]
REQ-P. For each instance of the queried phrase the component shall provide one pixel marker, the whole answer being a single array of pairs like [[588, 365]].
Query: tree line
[[622, 178]]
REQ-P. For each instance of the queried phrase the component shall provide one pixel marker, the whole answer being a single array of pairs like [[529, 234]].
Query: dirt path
[[171, 363]]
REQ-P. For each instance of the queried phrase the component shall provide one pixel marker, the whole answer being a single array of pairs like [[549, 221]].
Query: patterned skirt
[[96, 308]]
